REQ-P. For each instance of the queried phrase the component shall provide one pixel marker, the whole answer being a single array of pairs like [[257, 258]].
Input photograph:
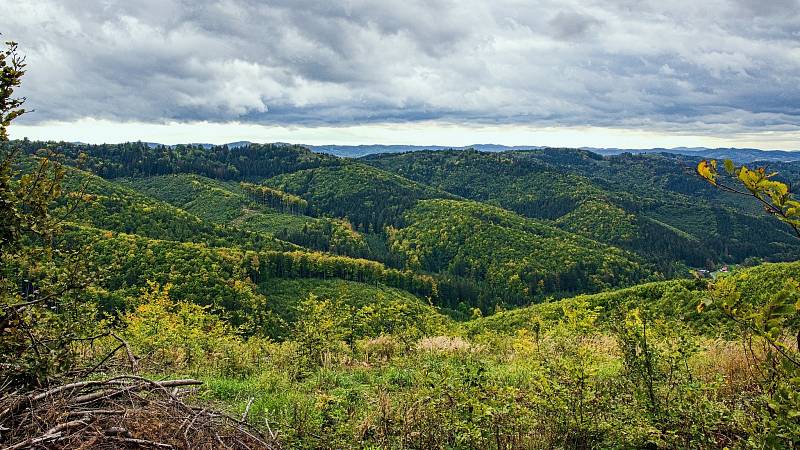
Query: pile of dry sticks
[[122, 412]]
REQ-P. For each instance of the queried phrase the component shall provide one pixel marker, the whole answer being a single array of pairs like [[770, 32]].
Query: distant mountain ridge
[[738, 155], [357, 151], [236, 144]]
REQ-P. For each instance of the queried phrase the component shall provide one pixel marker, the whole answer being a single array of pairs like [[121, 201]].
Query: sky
[[604, 73]]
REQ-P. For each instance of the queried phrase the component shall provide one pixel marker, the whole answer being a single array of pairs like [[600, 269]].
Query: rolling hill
[[230, 204], [518, 259], [650, 204], [368, 197], [539, 222], [117, 207]]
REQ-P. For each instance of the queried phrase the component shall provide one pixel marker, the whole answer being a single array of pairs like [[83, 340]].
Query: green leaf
[[729, 166]]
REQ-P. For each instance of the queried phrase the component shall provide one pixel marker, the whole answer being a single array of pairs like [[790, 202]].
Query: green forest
[[454, 299]]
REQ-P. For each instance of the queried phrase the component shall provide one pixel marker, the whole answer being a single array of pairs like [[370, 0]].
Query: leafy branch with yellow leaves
[[774, 195], [777, 315]]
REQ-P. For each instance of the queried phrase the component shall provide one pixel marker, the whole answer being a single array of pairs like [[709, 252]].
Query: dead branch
[[140, 442], [131, 357]]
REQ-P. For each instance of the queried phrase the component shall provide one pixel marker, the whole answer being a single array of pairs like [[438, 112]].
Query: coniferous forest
[[267, 296]]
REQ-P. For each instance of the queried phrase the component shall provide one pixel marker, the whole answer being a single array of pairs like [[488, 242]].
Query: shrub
[[379, 349], [179, 336]]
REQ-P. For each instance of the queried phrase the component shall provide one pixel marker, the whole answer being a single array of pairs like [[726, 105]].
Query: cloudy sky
[[624, 73]]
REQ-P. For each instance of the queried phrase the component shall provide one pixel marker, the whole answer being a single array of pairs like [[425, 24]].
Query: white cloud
[[704, 68]]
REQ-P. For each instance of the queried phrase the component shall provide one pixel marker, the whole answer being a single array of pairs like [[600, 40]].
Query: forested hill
[[652, 205], [141, 159], [463, 227]]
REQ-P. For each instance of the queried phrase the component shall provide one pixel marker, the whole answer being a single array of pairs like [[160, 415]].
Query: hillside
[[539, 259], [519, 259], [656, 219], [369, 198], [374, 310], [674, 300], [233, 281], [231, 204], [249, 162], [117, 207], [650, 204]]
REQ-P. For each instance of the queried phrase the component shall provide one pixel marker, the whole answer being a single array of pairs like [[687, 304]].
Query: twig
[[247, 408], [131, 357], [67, 425], [33, 442], [31, 399], [143, 442], [269, 428], [107, 412], [103, 361], [189, 427], [117, 381], [244, 426]]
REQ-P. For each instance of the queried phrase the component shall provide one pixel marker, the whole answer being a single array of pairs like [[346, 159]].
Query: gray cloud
[[572, 25], [683, 65]]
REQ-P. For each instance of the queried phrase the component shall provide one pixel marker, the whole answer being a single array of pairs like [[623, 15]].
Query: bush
[[379, 349], [180, 336]]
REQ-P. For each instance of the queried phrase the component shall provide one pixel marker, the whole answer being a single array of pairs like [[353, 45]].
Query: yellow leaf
[[749, 177], [708, 170]]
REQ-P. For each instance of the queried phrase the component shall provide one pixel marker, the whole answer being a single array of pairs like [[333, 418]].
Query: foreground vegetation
[[640, 367]]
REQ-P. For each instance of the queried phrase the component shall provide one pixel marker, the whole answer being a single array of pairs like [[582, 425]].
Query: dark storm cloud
[[688, 65]]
